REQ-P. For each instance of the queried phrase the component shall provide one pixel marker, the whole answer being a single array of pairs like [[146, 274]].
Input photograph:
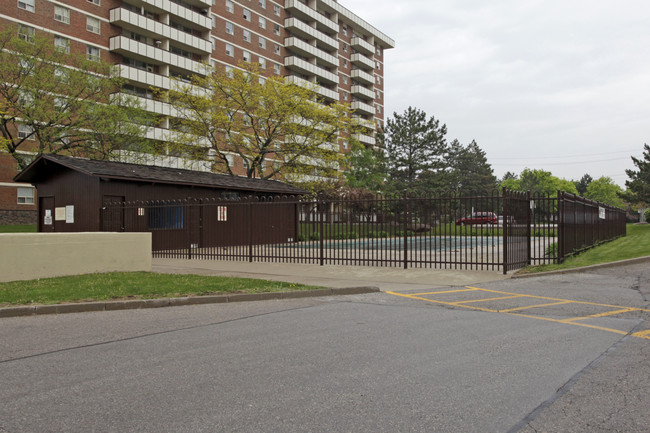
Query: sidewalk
[[330, 276]]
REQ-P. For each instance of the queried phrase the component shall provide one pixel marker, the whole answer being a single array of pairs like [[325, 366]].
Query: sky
[[558, 85]]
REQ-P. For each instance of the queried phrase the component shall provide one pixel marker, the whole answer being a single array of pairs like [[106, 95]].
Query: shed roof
[[39, 168]]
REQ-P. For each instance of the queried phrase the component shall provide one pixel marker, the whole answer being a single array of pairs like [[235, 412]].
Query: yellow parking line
[[643, 334], [607, 313], [534, 306], [445, 291], [488, 299], [572, 321]]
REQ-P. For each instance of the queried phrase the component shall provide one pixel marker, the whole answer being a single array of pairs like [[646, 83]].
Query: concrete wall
[[26, 256]]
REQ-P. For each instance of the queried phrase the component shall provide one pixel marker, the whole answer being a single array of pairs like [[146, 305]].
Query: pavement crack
[[570, 383]]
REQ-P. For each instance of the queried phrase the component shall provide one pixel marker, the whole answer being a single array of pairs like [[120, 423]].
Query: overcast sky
[[561, 85]]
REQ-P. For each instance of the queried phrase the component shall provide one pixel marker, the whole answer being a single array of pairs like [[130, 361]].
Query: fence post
[[250, 231], [505, 230], [321, 226], [188, 218], [405, 230], [529, 232], [560, 226]]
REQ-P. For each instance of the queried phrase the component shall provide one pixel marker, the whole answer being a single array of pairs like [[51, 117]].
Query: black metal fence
[[498, 231]]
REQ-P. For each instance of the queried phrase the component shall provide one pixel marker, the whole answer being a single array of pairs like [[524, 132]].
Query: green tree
[[583, 184], [638, 185], [366, 167], [54, 101], [469, 170], [606, 191], [277, 129], [539, 182], [414, 145]]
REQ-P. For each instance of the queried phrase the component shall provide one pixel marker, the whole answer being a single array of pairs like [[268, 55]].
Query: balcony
[[144, 77], [139, 50], [362, 46], [363, 108], [301, 47], [169, 7], [365, 139], [362, 61], [326, 93], [362, 92], [362, 76], [305, 13], [306, 68], [301, 29], [360, 121], [157, 30]]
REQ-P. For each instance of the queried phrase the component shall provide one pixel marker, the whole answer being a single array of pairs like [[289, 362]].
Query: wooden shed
[[73, 194]]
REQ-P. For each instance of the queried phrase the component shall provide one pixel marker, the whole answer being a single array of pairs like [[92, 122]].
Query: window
[[230, 28], [378, 65], [230, 7], [345, 48], [345, 63], [25, 131], [95, 2], [263, 4], [92, 25], [276, 49], [247, 15], [92, 53], [230, 72], [230, 50], [62, 44], [62, 14], [276, 10], [276, 29], [165, 216], [262, 43], [26, 33], [262, 62], [61, 75], [345, 79], [345, 30], [28, 5], [231, 160], [25, 195], [262, 22], [379, 80], [246, 56], [276, 69], [247, 36]]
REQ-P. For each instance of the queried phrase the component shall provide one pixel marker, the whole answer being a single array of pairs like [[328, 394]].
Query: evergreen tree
[[638, 186], [469, 170], [415, 146], [583, 184]]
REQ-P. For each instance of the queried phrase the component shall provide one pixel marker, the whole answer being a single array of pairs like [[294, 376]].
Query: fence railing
[[498, 231]]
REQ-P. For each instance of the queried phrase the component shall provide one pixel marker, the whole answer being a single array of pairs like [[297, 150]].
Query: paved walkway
[[330, 275]]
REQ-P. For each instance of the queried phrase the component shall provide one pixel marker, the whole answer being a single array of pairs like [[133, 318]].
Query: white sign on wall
[[69, 214], [601, 213], [222, 213]]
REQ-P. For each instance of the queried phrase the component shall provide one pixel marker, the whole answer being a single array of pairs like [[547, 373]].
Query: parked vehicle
[[478, 218]]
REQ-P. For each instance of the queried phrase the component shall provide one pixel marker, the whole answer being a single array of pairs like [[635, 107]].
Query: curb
[[83, 307], [585, 268]]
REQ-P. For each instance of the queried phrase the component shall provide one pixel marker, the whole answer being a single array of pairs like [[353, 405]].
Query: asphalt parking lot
[[555, 353]]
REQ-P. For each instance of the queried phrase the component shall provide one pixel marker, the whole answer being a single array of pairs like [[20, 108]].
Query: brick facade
[[313, 40]]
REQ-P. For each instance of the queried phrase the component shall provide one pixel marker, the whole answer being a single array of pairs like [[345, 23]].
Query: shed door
[[113, 213], [46, 214]]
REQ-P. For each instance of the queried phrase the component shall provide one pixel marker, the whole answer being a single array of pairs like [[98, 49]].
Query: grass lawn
[[25, 228], [131, 285], [635, 244]]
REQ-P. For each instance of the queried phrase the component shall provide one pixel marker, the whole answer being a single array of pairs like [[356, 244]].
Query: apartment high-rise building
[[317, 41]]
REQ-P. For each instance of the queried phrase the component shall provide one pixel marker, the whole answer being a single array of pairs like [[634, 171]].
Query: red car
[[478, 218]]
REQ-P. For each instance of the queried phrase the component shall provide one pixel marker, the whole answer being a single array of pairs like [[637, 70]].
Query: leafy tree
[[366, 167], [638, 185], [539, 182], [414, 145], [606, 191], [53, 101], [583, 184], [278, 129], [469, 170]]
